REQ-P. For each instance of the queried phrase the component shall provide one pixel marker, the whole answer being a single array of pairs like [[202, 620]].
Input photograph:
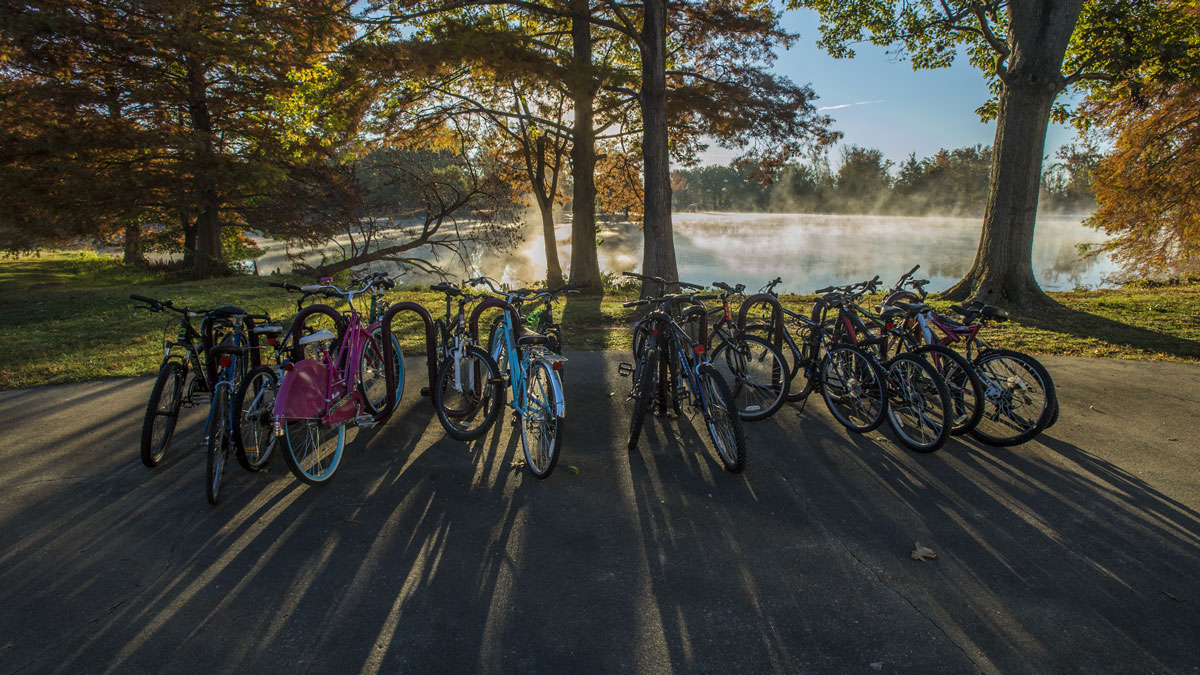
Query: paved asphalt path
[[1075, 553]]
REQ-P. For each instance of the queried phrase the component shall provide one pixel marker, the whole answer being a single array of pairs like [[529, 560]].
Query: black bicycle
[[182, 378], [694, 377]]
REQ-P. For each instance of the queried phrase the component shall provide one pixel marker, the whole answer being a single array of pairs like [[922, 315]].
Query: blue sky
[[879, 102]]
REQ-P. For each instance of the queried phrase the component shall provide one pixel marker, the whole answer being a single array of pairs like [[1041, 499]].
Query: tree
[[1021, 46], [863, 180], [191, 93], [1146, 110], [1148, 188]]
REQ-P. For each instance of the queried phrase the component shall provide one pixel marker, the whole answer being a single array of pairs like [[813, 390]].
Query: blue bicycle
[[232, 356], [533, 372]]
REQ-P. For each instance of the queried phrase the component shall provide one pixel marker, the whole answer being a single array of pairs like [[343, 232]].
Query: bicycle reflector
[[557, 365], [654, 332], [226, 361], [699, 349]]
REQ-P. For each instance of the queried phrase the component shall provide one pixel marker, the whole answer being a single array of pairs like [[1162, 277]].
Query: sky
[[879, 102]]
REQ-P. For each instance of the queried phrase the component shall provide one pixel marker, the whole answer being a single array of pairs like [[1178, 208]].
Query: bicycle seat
[[892, 312], [911, 308], [323, 334], [228, 347], [528, 337], [226, 310]]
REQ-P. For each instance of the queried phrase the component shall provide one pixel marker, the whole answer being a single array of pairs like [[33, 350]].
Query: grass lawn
[[66, 316]]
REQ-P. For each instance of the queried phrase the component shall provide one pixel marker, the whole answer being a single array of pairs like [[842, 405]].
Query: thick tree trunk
[[554, 274], [1003, 270], [585, 266], [658, 257], [206, 258], [133, 244]]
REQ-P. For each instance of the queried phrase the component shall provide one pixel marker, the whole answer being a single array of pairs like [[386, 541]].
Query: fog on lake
[[807, 250]]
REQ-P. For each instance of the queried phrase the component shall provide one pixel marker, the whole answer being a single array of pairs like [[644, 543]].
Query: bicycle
[[182, 379], [231, 355], [468, 393], [919, 409], [1019, 400], [319, 396], [533, 372], [1012, 381], [753, 368], [695, 377], [254, 431]]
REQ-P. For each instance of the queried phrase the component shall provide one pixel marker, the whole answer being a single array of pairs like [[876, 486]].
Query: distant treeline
[[951, 182]]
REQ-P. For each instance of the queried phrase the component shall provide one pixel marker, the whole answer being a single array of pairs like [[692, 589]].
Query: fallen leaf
[[518, 463], [1172, 439], [1097, 410], [921, 553], [877, 665], [573, 470]]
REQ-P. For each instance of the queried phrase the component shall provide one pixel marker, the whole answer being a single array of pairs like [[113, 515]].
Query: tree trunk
[[554, 274], [658, 257], [133, 244], [1003, 269], [206, 258], [585, 266]]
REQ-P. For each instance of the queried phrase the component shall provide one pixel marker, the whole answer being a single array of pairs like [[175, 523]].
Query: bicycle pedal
[[624, 369], [364, 421]]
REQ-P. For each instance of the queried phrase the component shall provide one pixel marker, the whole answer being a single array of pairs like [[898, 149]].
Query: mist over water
[[808, 251]]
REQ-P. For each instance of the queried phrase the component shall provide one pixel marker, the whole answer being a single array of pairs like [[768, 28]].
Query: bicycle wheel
[[918, 403], [645, 385], [756, 375], [641, 333], [497, 348], [313, 451], [853, 389], [253, 423], [966, 389], [162, 412], [1019, 398], [217, 442], [541, 427], [468, 394], [724, 425], [397, 363], [372, 376]]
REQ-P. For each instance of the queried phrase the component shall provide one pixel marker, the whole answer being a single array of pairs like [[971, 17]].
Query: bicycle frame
[[519, 363]]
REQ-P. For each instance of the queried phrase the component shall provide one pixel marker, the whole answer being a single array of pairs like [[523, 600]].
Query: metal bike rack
[[776, 315], [771, 301], [490, 303], [389, 353]]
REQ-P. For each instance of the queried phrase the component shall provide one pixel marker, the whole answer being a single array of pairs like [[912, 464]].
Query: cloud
[[847, 105]]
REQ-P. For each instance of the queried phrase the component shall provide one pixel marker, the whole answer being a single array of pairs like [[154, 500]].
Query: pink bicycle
[[319, 396]]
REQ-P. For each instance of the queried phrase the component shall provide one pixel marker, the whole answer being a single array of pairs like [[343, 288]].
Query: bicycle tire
[[313, 451], [641, 332], [842, 370], [159, 423], [372, 376], [966, 389], [918, 403], [541, 396], [468, 415], [256, 422], [725, 429], [1000, 385], [217, 443], [755, 373], [643, 392]]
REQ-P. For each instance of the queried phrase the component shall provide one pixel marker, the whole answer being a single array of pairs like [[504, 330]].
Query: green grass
[[66, 317]]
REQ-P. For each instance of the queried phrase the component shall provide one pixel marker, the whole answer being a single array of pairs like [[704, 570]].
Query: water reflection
[[807, 250]]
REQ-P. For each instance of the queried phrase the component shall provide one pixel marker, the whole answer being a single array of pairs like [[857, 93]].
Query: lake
[[808, 250]]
